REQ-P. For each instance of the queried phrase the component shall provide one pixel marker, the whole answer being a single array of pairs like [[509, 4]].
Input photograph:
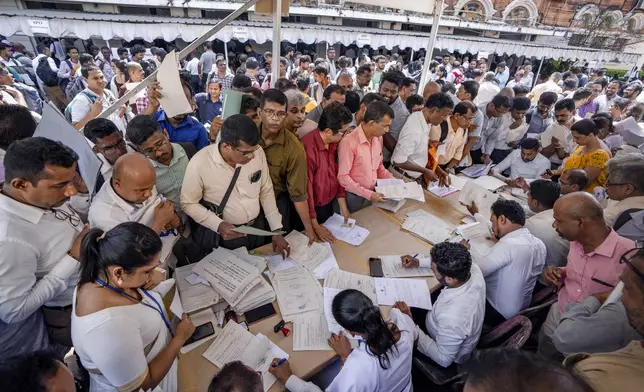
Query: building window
[[473, 11], [519, 16]]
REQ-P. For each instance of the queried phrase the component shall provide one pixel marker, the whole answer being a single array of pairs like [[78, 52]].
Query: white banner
[[39, 26], [241, 33], [363, 39]]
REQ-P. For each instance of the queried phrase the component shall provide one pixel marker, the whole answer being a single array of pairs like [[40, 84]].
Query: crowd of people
[[79, 266]]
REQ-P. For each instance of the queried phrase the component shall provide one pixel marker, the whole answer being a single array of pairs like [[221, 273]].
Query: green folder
[[232, 103]]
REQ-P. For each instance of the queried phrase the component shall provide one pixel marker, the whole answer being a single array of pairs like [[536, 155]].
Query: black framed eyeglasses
[[630, 255], [66, 216], [246, 153]]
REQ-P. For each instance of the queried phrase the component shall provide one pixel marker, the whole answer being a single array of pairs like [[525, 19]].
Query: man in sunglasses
[[40, 238], [593, 260]]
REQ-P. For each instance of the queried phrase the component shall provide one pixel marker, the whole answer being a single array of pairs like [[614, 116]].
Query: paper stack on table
[[477, 235], [391, 205], [483, 198], [349, 233], [477, 170], [392, 268], [457, 182], [441, 191], [194, 294], [490, 183], [427, 227], [338, 281], [235, 343], [276, 263], [311, 332], [257, 261], [413, 291], [407, 190], [297, 292], [310, 257]]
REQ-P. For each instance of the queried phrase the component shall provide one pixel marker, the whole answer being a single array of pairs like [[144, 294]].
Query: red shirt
[[321, 162]]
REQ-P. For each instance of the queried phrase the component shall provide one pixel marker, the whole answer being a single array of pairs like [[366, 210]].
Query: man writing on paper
[[525, 163], [410, 154], [449, 332], [360, 157], [237, 163]]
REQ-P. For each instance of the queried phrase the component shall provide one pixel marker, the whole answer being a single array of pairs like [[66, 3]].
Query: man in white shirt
[[513, 265], [451, 330], [557, 139], [487, 90], [552, 84], [194, 67], [490, 123], [605, 101], [518, 75], [513, 129], [54, 92], [69, 67], [410, 154], [108, 144], [542, 196], [524, 163], [39, 246], [624, 185]]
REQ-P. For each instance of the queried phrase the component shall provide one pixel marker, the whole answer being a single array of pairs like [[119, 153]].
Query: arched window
[[519, 16], [473, 11]]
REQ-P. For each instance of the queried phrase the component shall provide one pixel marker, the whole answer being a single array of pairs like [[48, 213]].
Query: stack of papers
[[349, 233], [457, 182], [407, 190], [311, 332], [490, 183], [276, 263], [297, 292], [441, 191], [392, 268], [478, 170], [338, 281], [235, 343], [308, 256], [427, 227], [483, 198], [391, 205], [194, 291], [257, 261]]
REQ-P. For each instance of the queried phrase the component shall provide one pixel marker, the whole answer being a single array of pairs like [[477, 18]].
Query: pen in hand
[[281, 361]]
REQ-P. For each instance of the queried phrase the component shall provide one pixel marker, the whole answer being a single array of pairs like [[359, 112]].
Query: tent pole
[[277, 26], [536, 77], [438, 11], [226, 54]]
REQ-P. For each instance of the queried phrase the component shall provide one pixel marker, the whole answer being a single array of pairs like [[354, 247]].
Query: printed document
[[477, 170], [490, 183], [311, 332], [441, 191], [352, 234], [414, 292], [391, 205], [194, 296], [297, 291], [310, 257], [276, 263], [392, 268], [343, 280], [483, 198], [257, 261], [427, 227], [408, 190]]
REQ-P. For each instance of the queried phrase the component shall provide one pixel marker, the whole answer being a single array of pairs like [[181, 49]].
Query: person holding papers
[[458, 124], [490, 126], [410, 155], [513, 265], [513, 130], [451, 330], [325, 192], [381, 362], [360, 157], [235, 166], [121, 331], [556, 139], [525, 163]]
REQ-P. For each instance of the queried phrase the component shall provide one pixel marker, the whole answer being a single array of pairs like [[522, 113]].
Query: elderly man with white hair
[[487, 89], [552, 84], [625, 187]]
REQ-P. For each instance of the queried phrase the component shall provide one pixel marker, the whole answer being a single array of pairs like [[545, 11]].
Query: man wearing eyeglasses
[[287, 163], [237, 163], [40, 241], [108, 141], [593, 260], [625, 185]]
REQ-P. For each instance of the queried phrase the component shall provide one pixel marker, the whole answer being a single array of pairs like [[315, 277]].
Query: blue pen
[[414, 256], [281, 361]]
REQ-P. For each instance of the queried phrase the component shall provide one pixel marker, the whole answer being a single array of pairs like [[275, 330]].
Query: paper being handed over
[[173, 99]]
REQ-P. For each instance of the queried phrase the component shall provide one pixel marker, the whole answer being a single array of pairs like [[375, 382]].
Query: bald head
[[578, 217], [581, 205], [431, 88], [134, 177]]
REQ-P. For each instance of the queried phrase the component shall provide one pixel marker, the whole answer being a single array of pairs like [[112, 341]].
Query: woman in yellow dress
[[589, 155]]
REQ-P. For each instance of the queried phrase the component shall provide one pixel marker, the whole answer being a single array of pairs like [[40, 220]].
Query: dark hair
[[28, 372], [395, 77], [453, 260], [603, 120], [129, 245], [363, 69], [284, 61], [476, 73], [448, 87], [85, 58], [333, 88], [578, 177], [352, 101], [530, 144], [321, 70], [235, 376], [585, 127], [414, 100], [548, 98], [136, 49], [86, 69], [619, 83], [70, 48], [510, 209], [546, 192], [354, 311], [471, 87], [187, 86], [41, 48], [521, 103], [463, 107], [273, 95], [284, 84], [521, 89], [637, 87], [439, 101], [622, 103], [289, 49], [566, 103], [582, 93], [99, 128], [27, 158], [141, 128], [16, 123], [122, 50], [239, 128], [248, 102], [305, 59], [406, 82], [377, 110], [241, 81], [371, 97], [303, 83], [502, 101], [570, 83], [122, 66], [334, 116], [252, 63]]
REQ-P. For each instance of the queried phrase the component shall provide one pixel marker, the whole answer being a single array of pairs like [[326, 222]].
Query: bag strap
[[224, 201], [624, 217]]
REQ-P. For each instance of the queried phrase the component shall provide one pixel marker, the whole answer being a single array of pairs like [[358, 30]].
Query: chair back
[[512, 333], [543, 299]]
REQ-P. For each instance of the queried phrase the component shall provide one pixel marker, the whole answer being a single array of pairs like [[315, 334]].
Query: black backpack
[[46, 74]]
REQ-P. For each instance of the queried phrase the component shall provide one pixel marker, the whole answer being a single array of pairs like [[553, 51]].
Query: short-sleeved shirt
[[287, 165], [190, 130], [207, 61], [597, 158], [207, 108]]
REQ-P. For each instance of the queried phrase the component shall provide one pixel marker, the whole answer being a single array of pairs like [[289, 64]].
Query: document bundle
[[427, 227]]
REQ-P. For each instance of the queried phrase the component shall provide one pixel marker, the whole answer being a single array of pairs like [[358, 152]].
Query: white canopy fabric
[[129, 27]]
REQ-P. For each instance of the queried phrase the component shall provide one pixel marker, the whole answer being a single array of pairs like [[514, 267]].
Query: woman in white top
[[119, 329], [381, 362]]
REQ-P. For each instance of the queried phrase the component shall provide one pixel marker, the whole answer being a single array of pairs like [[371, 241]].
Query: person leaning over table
[[326, 195], [525, 163], [360, 157], [209, 175], [120, 330], [286, 163], [410, 155], [450, 331], [381, 362]]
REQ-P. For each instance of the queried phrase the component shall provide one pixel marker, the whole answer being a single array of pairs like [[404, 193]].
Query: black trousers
[[195, 83], [477, 156], [290, 218], [208, 240], [326, 211], [492, 318]]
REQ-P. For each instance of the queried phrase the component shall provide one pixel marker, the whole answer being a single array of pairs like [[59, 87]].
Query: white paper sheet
[[343, 280], [194, 296], [457, 182], [229, 345], [353, 235], [274, 351], [428, 227], [441, 191], [297, 291], [276, 263], [390, 205], [408, 190], [257, 261], [311, 332], [477, 170], [389, 181], [254, 231], [483, 198], [173, 100], [175, 306], [392, 268], [414, 292], [310, 257], [329, 263], [490, 183], [329, 294]]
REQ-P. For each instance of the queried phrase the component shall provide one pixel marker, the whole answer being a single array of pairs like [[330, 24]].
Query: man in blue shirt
[[180, 128], [209, 105]]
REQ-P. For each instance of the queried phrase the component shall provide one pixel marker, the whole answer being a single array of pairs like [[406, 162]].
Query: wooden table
[[386, 238]]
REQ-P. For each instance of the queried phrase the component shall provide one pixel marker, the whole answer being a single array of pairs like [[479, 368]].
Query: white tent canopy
[[128, 27]]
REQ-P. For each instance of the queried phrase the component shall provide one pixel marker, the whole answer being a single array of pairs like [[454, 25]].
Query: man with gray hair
[[625, 185], [569, 87], [552, 84], [487, 89]]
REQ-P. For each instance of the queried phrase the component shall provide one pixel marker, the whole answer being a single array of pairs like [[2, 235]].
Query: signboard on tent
[[425, 6], [240, 33], [39, 26], [363, 39]]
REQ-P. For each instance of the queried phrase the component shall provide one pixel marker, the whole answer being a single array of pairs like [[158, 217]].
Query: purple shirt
[[589, 107]]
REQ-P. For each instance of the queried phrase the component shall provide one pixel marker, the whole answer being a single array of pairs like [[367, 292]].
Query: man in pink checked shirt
[[360, 157], [593, 260]]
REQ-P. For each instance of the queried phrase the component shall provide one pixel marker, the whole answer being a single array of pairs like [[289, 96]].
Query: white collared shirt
[[412, 143], [603, 103], [487, 91], [108, 209], [540, 225], [455, 321], [511, 270], [563, 134], [35, 269], [508, 135], [519, 168]]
